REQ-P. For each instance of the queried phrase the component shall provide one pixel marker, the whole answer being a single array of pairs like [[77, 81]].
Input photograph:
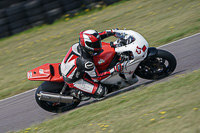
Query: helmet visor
[[96, 44]]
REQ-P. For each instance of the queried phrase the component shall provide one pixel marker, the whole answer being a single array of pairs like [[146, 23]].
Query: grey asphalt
[[21, 111]]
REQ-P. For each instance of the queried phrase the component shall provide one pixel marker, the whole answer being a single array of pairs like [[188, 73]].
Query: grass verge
[[169, 107], [158, 21]]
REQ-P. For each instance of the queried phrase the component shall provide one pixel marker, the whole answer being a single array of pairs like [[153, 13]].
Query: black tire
[[32, 4], [34, 11], [65, 2], [18, 30], [54, 12], [18, 16], [4, 4], [55, 88], [15, 8], [7, 3], [52, 15], [109, 2], [73, 12], [3, 21], [86, 2], [52, 5], [4, 32], [2, 13], [72, 6], [40, 22], [36, 18], [3, 28], [19, 23], [51, 19], [47, 1], [157, 67]]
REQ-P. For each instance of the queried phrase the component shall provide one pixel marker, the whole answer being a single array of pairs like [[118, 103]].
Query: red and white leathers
[[79, 71]]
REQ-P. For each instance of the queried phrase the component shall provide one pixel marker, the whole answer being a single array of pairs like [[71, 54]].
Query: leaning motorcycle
[[130, 49]]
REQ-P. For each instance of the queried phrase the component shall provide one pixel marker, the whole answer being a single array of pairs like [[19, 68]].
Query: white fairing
[[139, 49]]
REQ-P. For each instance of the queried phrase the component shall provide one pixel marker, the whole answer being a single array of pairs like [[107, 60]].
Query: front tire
[[53, 87], [157, 67]]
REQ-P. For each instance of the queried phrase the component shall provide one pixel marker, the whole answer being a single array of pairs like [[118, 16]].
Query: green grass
[[158, 21], [169, 107]]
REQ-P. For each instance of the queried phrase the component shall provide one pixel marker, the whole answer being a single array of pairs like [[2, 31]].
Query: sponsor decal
[[41, 71], [89, 65], [101, 61], [30, 74]]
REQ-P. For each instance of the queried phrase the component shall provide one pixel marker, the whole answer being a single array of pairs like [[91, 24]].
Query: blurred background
[[19, 15], [35, 32]]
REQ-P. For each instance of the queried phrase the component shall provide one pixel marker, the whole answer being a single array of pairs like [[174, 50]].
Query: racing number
[[138, 50]]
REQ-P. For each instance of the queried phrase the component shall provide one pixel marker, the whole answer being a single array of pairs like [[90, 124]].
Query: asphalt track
[[21, 111]]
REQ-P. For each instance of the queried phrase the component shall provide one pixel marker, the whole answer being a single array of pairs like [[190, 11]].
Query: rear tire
[[54, 87], [157, 67]]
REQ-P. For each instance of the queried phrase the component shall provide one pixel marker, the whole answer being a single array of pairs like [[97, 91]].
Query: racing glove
[[110, 32], [118, 67]]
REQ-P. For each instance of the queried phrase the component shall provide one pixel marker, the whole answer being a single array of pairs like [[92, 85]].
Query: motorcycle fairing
[[138, 47], [139, 50], [103, 60], [46, 72]]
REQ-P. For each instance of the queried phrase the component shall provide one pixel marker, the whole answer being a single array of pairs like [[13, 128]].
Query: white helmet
[[90, 40]]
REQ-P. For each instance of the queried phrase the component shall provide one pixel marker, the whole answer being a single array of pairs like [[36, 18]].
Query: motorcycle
[[131, 49]]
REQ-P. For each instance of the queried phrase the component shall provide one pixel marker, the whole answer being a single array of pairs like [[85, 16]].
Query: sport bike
[[130, 49]]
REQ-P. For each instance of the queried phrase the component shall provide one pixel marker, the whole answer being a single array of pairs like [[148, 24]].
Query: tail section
[[46, 72]]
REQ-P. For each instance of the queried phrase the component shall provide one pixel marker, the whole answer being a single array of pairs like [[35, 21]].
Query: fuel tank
[[104, 59]]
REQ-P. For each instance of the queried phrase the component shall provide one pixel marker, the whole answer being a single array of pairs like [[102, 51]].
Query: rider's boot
[[101, 92]]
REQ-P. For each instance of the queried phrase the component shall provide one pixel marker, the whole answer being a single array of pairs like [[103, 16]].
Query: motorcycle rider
[[78, 69]]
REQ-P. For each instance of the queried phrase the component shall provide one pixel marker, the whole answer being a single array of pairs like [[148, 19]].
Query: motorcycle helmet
[[90, 41]]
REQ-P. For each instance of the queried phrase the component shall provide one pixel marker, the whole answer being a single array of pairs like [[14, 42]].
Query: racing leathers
[[79, 71]]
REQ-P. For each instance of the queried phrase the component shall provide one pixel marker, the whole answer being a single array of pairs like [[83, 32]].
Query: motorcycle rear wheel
[[157, 67], [53, 87]]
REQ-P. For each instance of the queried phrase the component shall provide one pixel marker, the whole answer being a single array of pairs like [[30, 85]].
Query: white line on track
[[18, 94], [158, 47], [179, 40]]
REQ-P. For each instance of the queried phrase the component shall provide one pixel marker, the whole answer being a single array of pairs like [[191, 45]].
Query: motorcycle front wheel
[[53, 87], [157, 67]]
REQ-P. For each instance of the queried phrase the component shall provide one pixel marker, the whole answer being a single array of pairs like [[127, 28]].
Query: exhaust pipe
[[54, 97]]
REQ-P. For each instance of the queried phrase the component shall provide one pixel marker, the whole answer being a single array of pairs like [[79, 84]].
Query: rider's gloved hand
[[115, 30], [110, 32], [118, 68]]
